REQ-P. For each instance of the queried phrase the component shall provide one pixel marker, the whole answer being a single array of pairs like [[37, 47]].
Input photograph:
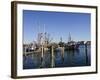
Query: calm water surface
[[80, 57]]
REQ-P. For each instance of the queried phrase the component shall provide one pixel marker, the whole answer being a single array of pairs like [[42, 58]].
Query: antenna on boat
[[45, 35], [38, 28], [44, 28], [60, 39], [69, 38], [39, 34]]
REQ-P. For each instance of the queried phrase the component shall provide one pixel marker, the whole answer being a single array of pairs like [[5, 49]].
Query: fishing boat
[[71, 45]]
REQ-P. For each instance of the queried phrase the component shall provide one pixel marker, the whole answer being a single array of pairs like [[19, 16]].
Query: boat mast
[[39, 35], [69, 38], [60, 39]]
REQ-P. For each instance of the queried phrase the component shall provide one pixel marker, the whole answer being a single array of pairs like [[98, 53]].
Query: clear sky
[[57, 24]]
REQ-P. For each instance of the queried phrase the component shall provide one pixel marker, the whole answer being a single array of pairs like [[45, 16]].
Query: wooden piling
[[62, 51], [86, 54], [52, 57], [25, 52], [42, 53]]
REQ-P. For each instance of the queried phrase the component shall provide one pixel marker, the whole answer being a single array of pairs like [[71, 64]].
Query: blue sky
[[57, 24]]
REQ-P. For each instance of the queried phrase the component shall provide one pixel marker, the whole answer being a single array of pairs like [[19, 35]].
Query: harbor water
[[70, 58]]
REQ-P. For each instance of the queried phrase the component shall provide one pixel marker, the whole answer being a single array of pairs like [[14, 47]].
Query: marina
[[46, 54]]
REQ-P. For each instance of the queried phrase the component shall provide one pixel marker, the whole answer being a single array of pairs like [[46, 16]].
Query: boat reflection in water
[[57, 58]]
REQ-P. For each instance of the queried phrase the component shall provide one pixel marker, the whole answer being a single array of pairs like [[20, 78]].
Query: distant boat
[[71, 45]]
